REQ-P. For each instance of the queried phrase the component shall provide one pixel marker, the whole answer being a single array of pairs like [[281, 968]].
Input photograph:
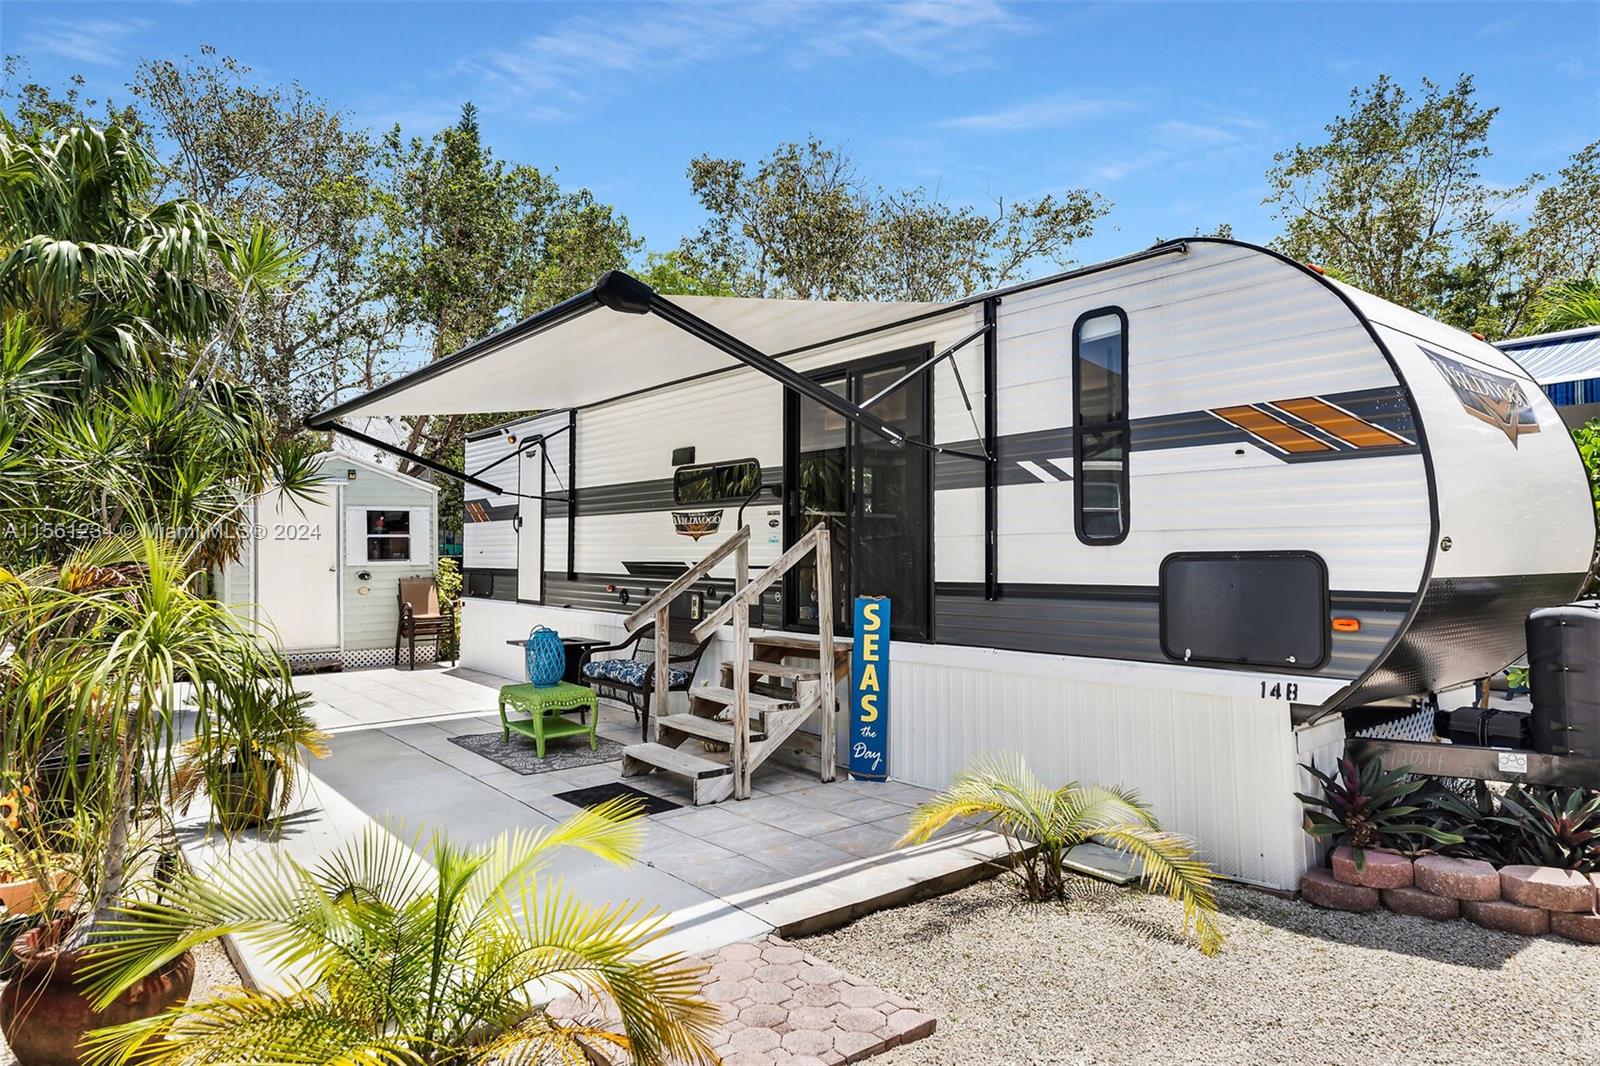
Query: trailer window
[[716, 482], [1245, 608], [1100, 426]]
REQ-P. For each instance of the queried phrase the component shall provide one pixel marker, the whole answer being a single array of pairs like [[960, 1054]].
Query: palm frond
[[1169, 866]]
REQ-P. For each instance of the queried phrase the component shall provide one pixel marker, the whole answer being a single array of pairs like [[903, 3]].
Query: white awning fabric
[[596, 353]]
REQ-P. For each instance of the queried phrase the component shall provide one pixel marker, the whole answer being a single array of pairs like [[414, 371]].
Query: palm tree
[[117, 313], [111, 649], [1041, 824], [410, 961], [1569, 305]]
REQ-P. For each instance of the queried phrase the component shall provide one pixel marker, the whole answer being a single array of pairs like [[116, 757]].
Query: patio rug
[[598, 794], [519, 754]]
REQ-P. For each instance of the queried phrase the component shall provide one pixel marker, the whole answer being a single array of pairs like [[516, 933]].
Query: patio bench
[[546, 707], [630, 679]]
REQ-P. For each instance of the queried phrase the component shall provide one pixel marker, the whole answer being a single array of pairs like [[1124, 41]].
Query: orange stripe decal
[[1280, 435], [1342, 424]]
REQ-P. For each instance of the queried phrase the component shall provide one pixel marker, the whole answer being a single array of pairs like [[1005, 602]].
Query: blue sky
[[1171, 111]]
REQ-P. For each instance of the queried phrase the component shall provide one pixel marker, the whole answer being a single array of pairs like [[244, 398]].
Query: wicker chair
[[630, 678], [421, 615]]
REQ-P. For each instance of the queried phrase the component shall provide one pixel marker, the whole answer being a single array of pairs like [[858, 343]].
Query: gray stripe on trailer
[[1124, 622], [1384, 407]]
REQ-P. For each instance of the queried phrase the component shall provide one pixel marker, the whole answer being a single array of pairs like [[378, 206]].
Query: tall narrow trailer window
[[1100, 426]]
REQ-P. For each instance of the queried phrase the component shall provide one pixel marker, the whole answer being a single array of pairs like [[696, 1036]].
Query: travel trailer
[[1177, 521]]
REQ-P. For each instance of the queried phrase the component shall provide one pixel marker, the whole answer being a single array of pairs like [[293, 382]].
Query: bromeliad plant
[[1041, 824], [407, 959], [1550, 827], [1365, 806]]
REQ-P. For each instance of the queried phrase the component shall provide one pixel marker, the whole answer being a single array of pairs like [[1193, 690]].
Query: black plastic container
[[1564, 673]]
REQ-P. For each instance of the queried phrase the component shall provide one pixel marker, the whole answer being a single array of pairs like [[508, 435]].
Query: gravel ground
[[212, 970], [1105, 980]]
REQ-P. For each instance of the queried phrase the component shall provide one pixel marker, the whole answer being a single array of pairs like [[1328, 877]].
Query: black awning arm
[[962, 385], [627, 294], [430, 464], [522, 448]]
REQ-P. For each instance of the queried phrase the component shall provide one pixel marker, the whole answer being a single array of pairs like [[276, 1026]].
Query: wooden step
[[758, 704], [706, 728], [796, 671], [642, 758], [796, 642]]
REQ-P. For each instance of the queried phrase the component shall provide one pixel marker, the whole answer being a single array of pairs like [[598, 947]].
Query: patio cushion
[[631, 672]]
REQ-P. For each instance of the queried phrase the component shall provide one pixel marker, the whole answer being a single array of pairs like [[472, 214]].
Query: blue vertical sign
[[869, 690]]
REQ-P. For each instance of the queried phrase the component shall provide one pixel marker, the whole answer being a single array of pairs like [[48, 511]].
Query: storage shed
[[322, 577]]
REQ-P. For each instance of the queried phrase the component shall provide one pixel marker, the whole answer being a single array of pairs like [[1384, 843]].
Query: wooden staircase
[[772, 686]]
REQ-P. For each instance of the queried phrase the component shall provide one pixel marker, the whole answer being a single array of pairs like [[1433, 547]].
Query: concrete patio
[[798, 856]]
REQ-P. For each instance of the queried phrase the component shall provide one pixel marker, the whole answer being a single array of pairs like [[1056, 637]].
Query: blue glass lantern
[[546, 656]]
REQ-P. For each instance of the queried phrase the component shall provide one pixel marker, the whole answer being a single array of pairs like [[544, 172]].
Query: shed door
[[297, 570], [530, 525]]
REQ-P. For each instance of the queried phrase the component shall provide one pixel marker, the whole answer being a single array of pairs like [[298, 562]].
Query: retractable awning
[[619, 338]]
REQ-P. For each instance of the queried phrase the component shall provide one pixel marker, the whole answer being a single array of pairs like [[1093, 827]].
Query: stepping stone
[[1325, 890], [1380, 869], [1584, 928], [781, 1005], [1548, 887], [1421, 904], [1463, 879], [1508, 917]]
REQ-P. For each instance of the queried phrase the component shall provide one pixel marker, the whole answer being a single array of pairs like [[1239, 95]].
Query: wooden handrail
[[746, 592], [682, 582]]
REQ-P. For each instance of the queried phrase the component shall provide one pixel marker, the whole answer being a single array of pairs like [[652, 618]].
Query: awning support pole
[[429, 464], [991, 446], [914, 371]]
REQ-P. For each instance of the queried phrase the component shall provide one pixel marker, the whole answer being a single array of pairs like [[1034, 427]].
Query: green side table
[[545, 708]]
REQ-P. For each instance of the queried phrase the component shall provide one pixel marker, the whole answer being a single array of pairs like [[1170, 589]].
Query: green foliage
[[247, 762], [1394, 202], [412, 959], [110, 649], [1366, 806], [803, 223], [1587, 439], [1041, 824], [449, 580], [1567, 305], [1551, 827]]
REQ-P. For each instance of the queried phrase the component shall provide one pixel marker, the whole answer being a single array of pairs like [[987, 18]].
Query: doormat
[[598, 794], [519, 753]]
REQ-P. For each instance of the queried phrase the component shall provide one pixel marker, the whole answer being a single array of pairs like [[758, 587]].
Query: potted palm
[[246, 761]]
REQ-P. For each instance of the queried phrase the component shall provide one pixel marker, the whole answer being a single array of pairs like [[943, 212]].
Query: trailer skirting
[[1219, 763]]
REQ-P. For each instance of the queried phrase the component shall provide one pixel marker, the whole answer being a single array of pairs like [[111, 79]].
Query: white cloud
[[98, 42], [553, 72], [1037, 114], [1186, 134]]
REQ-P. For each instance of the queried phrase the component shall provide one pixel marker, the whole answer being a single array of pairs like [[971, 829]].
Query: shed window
[[1100, 435], [716, 482], [387, 535]]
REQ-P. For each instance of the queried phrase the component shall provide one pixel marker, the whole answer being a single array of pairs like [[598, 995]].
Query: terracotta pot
[[44, 1014], [27, 897]]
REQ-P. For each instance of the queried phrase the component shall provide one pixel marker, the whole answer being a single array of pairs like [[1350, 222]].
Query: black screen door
[[875, 497]]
